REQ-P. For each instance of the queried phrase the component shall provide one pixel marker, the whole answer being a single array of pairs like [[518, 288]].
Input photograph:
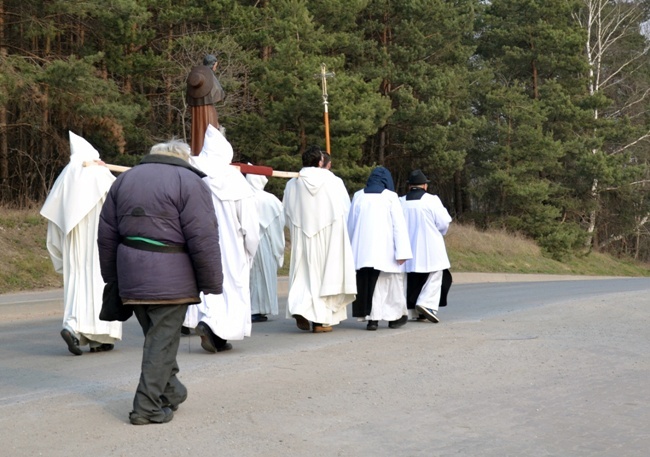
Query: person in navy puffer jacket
[[158, 238]]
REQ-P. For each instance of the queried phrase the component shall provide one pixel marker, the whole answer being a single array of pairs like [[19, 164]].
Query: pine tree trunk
[[458, 193], [168, 79], [4, 149], [382, 145], [535, 82]]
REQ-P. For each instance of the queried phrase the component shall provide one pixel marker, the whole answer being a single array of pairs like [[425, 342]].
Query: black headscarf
[[379, 180]]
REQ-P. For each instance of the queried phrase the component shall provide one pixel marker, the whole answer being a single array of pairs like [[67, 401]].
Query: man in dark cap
[[427, 221], [203, 91]]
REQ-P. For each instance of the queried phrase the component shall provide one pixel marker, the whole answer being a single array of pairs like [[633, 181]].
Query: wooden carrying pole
[[244, 168]]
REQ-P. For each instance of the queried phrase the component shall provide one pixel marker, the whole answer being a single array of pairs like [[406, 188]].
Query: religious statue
[[203, 91]]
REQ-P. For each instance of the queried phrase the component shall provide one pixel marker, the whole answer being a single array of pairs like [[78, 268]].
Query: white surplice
[[427, 221], [228, 314], [270, 251], [322, 279], [72, 209], [379, 239]]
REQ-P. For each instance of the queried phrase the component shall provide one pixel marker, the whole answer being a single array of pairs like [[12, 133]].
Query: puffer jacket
[[163, 199]]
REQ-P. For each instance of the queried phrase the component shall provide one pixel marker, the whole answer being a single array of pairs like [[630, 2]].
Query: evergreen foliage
[[528, 115]]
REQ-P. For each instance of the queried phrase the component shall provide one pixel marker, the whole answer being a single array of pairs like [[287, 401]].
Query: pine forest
[[527, 115]]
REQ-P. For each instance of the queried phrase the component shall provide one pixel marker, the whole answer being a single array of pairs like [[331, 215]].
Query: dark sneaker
[[372, 325], [71, 341], [428, 313]]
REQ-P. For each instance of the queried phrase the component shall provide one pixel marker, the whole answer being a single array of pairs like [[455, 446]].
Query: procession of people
[[188, 241]]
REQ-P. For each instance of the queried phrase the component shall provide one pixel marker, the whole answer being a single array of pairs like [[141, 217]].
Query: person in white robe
[[380, 245], [321, 270], [72, 209], [427, 221], [270, 251], [227, 316]]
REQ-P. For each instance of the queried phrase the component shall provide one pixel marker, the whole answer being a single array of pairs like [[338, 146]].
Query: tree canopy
[[529, 115]]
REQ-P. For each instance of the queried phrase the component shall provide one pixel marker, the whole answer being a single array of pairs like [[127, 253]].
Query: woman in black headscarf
[[380, 245]]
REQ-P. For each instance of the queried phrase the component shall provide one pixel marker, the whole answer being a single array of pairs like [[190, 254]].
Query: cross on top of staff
[[323, 75]]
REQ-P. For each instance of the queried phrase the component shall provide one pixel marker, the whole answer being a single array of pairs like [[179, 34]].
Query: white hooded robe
[[228, 314], [322, 279], [72, 209], [270, 252]]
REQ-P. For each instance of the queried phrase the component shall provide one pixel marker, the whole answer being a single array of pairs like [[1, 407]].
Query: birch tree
[[617, 52]]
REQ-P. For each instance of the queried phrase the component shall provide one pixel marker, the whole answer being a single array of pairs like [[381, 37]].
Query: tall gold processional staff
[[324, 74]]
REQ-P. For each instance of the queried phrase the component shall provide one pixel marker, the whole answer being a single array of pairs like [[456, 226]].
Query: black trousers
[[161, 325], [415, 282], [366, 282]]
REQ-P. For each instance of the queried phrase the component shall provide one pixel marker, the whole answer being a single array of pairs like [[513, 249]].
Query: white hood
[[309, 208], [268, 206], [313, 178], [78, 188], [257, 181], [225, 181]]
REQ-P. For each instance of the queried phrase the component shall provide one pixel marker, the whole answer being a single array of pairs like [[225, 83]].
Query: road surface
[[519, 368]]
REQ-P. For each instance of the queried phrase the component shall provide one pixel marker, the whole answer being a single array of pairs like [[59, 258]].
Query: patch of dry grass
[[25, 263], [500, 252], [468, 239]]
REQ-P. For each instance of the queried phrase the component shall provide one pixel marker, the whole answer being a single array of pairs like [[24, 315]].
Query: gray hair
[[173, 148]]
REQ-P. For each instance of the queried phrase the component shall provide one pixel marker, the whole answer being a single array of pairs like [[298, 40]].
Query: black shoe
[[185, 330], [71, 341], [136, 419], [399, 322], [372, 325], [259, 318], [301, 322], [207, 337], [103, 348], [224, 347]]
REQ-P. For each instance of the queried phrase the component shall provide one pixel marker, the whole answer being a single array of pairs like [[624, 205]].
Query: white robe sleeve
[[400, 232], [250, 226], [55, 240], [276, 235], [442, 217]]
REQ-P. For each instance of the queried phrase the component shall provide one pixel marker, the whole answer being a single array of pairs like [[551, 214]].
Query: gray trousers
[[159, 385]]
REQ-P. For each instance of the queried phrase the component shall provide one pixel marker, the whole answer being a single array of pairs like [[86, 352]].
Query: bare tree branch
[[629, 145]]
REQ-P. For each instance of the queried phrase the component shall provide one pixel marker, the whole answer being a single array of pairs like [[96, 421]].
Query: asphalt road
[[539, 368]]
